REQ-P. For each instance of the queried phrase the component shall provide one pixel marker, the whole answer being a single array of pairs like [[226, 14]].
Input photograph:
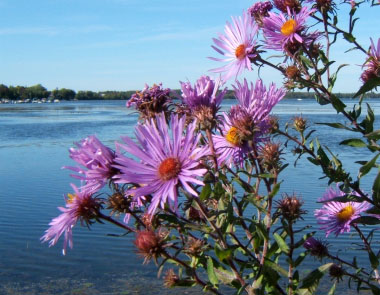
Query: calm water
[[34, 142]]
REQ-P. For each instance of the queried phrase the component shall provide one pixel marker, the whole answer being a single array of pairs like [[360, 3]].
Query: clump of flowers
[[259, 10], [238, 46], [247, 123], [334, 216], [96, 159], [150, 101]]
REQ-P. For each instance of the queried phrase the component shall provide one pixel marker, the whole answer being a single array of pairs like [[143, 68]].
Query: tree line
[[38, 91]]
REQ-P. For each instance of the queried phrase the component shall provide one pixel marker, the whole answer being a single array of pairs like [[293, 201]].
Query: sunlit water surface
[[34, 142]]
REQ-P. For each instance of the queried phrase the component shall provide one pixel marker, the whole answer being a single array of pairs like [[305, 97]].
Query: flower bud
[[170, 279], [282, 5], [292, 72], [290, 208], [149, 244], [194, 246], [270, 155], [273, 123], [336, 272], [299, 124], [118, 203], [316, 247]]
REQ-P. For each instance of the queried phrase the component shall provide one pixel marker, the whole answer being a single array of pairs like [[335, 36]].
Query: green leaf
[[368, 166], [275, 190], [270, 264], [222, 253], [354, 142], [311, 281], [210, 272], [349, 37], [337, 126], [368, 86], [337, 103], [375, 135], [281, 243], [321, 100], [332, 290], [373, 259], [344, 199], [376, 189], [369, 220], [224, 276], [206, 192]]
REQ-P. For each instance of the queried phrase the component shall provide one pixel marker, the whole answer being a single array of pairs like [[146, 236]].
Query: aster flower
[[167, 162], [203, 100], [80, 206], [288, 33], [96, 159], [150, 101], [204, 93], [334, 216], [237, 46], [229, 146], [256, 99], [372, 63]]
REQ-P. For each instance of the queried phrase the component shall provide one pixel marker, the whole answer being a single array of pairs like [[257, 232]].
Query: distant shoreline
[[22, 94]]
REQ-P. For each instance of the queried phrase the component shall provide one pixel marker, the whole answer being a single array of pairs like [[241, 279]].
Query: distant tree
[[37, 91], [63, 93], [4, 91], [88, 95]]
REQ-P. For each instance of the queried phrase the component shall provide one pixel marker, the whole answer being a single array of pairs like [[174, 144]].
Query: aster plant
[[199, 185]]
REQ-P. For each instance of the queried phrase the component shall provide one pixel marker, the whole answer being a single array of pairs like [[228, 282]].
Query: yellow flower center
[[289, 27], [345, 214], [70, 198], [232, 136], [240, 51], [169, 168]]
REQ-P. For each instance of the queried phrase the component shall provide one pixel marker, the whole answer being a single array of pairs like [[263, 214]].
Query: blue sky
[[123, 44]]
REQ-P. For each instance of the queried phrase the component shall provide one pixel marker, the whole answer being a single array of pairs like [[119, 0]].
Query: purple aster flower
[[288, 33], [334, 216], [204, 94], [79, 206], [237, 46], [167, 162], [150, 101], [372, 63], [259, 10], [97, 160], [230, 146], [256, 99]]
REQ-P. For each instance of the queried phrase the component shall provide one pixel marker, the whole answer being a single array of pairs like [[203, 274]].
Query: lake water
[[34, 142]]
